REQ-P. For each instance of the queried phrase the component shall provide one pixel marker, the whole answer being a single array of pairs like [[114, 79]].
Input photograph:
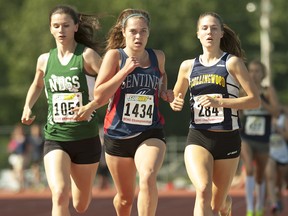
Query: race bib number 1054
[[63, 103]]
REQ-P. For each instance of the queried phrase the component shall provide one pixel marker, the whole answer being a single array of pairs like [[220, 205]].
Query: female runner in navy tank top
[[213, 143], [132, 78], [257, 125]]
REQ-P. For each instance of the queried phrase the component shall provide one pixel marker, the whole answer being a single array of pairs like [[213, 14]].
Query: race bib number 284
[[207, 115]]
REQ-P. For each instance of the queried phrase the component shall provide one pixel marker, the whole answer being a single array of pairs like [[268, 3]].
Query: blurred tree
[[25, 34]]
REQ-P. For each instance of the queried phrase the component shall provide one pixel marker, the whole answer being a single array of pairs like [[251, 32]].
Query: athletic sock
[[260, 196], [249, 188]]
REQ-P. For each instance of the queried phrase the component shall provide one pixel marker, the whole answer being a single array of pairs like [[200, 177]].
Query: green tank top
[[67, 86]]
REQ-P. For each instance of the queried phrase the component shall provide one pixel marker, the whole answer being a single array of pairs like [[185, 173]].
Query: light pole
[[265, 42], [265, 38]]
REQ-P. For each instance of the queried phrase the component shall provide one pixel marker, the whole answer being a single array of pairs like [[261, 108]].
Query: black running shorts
[[86, 151], [222, 145], [128, 147]]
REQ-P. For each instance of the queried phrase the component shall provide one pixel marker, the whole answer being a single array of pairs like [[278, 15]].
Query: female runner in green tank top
[[72, 148]]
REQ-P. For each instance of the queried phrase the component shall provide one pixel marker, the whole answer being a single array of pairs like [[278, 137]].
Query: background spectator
[[36, 141], [18, 149]]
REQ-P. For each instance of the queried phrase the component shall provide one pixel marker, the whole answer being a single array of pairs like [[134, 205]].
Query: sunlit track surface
[[171, 203]]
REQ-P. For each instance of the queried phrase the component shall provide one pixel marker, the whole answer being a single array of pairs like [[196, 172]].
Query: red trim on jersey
[[110, 113], [160, 116]]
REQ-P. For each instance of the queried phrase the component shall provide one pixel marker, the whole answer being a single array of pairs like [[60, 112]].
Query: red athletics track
[[171, 203]]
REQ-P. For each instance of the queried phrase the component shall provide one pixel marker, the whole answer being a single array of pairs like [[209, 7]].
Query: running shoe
[[249, 213], [259, 213]]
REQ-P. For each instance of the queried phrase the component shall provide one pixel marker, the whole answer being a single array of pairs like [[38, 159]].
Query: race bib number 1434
[[138, 109]]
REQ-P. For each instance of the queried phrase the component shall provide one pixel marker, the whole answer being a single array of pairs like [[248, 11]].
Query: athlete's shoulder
[[43, 58], [88, 50], [158, 53], [235, 65], [42, 62], [112, 53], [187, 64], [232, 59]]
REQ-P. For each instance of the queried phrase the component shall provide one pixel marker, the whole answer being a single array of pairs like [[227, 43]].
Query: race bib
[[277, 141], [207, 115], [138, 109], [63, 103], [278, 148], [255, 125]]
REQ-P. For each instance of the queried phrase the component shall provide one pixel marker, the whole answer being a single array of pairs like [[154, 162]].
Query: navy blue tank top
[[214, 81], [134, 107], [257, 123]]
